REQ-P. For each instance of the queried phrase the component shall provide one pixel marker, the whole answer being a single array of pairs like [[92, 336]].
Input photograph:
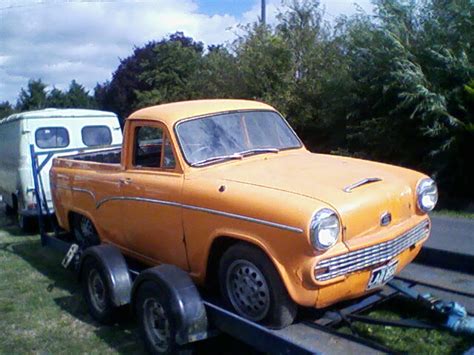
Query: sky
[[61, 40]]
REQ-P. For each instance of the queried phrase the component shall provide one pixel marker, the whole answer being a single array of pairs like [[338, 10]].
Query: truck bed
[[106, 156]]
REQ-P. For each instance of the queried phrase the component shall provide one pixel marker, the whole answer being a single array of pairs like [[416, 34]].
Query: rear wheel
[[252, 287], [155, 321], [85, 232], [96, 292]]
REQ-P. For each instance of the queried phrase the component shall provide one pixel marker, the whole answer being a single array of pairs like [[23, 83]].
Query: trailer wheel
[[96, 292], [156, 326], [251, 286], [85, 232]]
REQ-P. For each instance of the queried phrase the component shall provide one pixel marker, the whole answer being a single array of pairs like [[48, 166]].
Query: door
[[151, 191]]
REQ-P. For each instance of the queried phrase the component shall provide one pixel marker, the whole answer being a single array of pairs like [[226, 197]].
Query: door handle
[[126, 181]]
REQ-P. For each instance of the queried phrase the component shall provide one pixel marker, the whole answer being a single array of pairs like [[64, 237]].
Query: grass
[[42, 311], [453, 213], [410, 340], [41, 307]]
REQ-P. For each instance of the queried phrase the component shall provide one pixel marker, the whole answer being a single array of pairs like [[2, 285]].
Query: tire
[[96, 292], [156, 325], [85, 232], [251, 286]]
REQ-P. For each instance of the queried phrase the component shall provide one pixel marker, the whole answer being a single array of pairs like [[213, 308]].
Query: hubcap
[[96, 290], [156, 324], [87, 229], [248, 290]]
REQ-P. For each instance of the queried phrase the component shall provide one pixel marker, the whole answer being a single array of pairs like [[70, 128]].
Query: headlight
[[426, 194], [324, 229]]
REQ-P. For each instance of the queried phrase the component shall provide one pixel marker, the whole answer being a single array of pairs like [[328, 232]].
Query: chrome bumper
[[363, 258]]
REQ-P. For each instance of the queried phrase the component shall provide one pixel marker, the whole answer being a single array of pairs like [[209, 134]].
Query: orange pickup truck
[[225, 190]]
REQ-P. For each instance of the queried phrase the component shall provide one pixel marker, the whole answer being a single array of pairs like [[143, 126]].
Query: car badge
[[385, 218]]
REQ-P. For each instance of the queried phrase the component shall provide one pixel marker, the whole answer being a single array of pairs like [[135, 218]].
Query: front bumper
[[372, 256], [346, 276]]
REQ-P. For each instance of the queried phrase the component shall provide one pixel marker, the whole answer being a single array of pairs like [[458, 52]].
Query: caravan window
[[96, 135], [52, 137]]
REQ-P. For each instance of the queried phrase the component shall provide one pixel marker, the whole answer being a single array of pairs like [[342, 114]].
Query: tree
[[57, 99], [264, 64], [314, 103], [217, 76], [6, 109], [33, 98], [158, 72], [78, 97], [169, 72]]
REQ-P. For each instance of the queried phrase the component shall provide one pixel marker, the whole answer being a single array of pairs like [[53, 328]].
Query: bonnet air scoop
[[360, 183]]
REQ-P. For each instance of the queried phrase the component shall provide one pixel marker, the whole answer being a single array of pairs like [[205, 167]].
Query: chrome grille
[[363, 258]]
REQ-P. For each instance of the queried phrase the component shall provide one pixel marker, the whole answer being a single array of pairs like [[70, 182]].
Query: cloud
[[61, 41], [58, 40]]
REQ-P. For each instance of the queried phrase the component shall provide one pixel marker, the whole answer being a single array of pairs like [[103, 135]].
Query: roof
[[57, 113], [173, 112]]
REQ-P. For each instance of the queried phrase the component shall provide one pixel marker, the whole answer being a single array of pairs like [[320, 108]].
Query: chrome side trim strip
[[76, 189], [140, 199], [189, 207], [245, 218], [360, 183]]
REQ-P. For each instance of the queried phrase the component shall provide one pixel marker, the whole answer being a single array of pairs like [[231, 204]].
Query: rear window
[[96, 135], [52, 137]]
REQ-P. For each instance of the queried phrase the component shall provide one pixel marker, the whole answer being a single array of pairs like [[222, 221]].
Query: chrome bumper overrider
[[363, 258]]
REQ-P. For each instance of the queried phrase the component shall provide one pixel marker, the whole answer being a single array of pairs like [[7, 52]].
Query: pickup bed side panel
[[81, 187]]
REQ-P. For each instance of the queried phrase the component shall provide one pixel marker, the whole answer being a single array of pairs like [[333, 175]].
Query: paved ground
[[452, 234]]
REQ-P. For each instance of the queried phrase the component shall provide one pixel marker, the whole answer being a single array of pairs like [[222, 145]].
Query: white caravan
[[60, 131]]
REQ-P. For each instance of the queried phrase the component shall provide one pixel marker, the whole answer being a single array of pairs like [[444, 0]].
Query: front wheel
[[251, 285], [155, 321]]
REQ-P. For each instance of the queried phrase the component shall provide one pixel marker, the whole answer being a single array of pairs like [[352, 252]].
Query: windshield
[[233, 136]]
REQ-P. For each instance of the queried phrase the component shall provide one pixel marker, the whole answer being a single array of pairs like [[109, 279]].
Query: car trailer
[[193, 315]]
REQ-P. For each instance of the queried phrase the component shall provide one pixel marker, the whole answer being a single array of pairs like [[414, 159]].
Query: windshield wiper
[[258, 151], [219, 158]]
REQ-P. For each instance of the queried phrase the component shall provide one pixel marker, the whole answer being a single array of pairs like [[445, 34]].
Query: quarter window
[[52, 137], [96, 135]]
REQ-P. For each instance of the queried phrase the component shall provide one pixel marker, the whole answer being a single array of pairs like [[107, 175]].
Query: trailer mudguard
[[187, 307], [116, 269]]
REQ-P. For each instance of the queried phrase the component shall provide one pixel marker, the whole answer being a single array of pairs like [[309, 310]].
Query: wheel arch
[[189, 314], [70, 220], [222, 242], [118, 277]]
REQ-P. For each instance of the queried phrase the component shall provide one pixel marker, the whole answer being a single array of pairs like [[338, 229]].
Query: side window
[[52, 137], [96, 135], [152, 149], [148, 145]]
